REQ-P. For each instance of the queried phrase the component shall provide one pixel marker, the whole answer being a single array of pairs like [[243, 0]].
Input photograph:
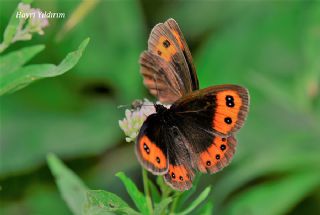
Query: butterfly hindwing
[[222, 108], [217, 155], [180, 173], [179, 177], [151, 150]]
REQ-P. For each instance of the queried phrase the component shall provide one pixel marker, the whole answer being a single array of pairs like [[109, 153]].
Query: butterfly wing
[[150, 147], [200, 117], [180, 173], [160, 78], [166, 42], [162, 151], [215, 155], [177, 33], [221, 109]]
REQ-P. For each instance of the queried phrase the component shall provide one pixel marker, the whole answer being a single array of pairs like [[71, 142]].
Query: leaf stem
[[174, 203], [146, 189]]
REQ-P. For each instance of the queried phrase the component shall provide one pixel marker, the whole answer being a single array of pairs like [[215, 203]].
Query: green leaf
[[165, 189], [137, 197], [24, 76], [275, 197], [72, 189], [86, 132], [203, 195], [38, 197], [27, 1], [206, 209], [11, 29], [154, 192], [14, 60], [160, 207], [187, 194], [116, 49], [103, 202]]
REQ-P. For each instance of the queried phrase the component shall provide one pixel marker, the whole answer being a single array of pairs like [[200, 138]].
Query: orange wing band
[[151, 153], [226, 111]]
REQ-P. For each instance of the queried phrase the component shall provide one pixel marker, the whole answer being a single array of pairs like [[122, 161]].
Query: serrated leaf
[[137, 197], [203, 195], [24, 76], [103, 202], [160, 207], [71, 187], [14, 60]]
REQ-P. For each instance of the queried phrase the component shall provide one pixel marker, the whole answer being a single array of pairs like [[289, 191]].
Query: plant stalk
[[146, 189], [174, 203]]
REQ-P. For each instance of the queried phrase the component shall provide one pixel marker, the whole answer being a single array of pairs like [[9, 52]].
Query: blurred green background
[[272, 48]]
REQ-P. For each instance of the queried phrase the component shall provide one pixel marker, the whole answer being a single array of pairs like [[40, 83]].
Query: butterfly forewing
[[174, 27], [222, 108], [160, 78], [167, 43]]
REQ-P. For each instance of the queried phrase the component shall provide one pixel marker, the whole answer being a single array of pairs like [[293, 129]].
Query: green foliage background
[[272, 48]]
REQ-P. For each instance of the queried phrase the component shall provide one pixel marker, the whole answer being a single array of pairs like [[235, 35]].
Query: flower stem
[[174, 203], [146, 189]]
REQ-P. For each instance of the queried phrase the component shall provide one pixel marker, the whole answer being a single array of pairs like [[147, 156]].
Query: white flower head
[[24, 8], [38, 22], [135, 117], [28, 25]]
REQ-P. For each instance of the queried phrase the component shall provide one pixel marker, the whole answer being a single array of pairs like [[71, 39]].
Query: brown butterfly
[[197, 132]]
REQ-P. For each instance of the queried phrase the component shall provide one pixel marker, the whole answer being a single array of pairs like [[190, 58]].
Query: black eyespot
[[223, 139], [166, 43], [159, 53], [111, 205], [146, 148], [229, 98], [218, 157], [208, 163], [223, 147], [229, 101], [228, 120], [173, 175], [230, 104], [158, 159], [181, 178]]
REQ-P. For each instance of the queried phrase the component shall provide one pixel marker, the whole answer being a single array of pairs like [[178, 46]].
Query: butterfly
[[197, 132]]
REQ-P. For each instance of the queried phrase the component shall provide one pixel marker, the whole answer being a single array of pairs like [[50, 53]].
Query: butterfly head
[[160, 108]]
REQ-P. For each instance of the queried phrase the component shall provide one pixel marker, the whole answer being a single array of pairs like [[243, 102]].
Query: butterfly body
[[197, 132]]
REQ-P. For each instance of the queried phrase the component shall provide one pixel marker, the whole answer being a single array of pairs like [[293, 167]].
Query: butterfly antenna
[[122, 106]]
